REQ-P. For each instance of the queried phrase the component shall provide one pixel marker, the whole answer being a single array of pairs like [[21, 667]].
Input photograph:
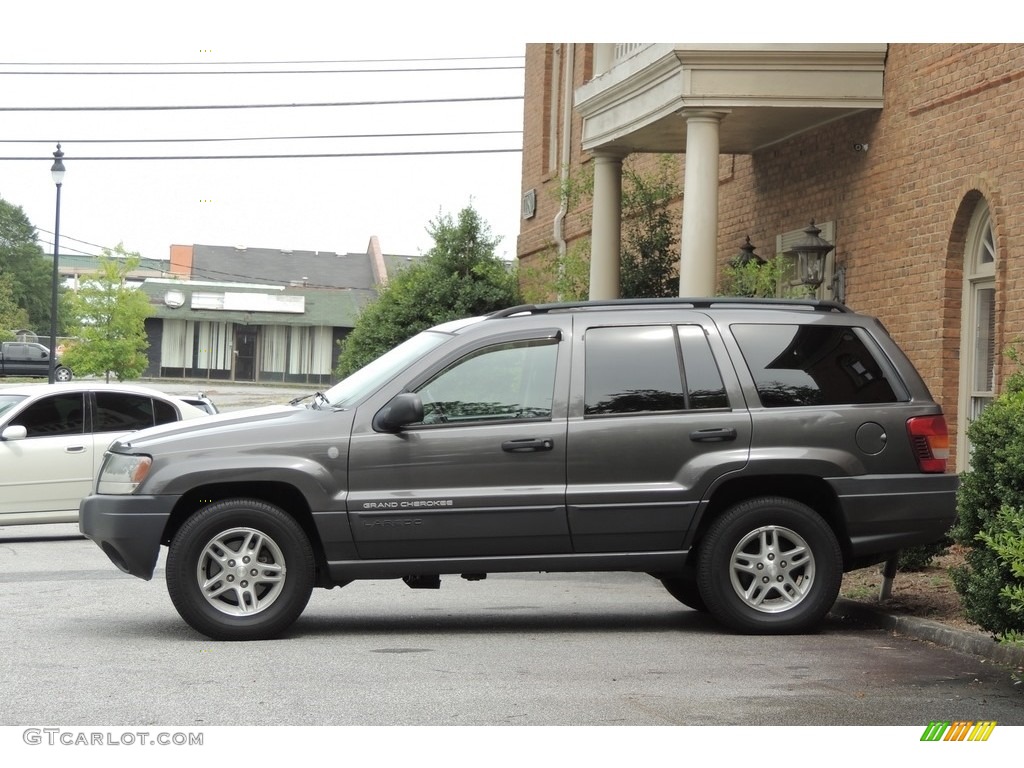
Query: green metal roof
[[82, 264], [332, 308]]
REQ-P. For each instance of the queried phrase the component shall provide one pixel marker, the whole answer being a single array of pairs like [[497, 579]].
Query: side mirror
[[16, 432], [406, 408]]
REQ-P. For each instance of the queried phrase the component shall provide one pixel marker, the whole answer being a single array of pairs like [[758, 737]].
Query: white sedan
[[53, 436]]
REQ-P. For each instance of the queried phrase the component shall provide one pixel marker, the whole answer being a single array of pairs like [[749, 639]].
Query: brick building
[[909, 158]]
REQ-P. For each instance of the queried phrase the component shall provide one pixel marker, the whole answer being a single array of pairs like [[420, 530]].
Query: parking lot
[[86, 644], [232, 396]]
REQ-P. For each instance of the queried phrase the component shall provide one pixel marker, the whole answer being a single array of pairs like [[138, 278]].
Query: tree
[[460, 276], [111, 321], [650, 256], [12, 316], [21, 260]]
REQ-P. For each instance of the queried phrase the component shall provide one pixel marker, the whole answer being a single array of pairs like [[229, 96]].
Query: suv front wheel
[[770, 565], [240, 569]]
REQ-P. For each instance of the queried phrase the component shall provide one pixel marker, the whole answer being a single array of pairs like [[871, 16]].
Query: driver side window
[[505, 382], [54, 416]]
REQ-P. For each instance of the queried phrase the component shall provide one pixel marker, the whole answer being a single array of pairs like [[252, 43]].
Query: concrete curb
[[974, 643]]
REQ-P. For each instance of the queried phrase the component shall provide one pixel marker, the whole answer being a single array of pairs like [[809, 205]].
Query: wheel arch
[[283, 495], [813, 491]]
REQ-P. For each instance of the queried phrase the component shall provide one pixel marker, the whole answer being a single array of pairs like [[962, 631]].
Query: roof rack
[[725, 302]]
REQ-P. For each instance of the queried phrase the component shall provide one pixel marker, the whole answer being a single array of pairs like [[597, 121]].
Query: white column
[[700, 204], [606, 231]]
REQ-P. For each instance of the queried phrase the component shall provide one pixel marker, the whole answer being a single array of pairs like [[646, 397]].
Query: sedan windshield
[[371, 376], [9, 401]]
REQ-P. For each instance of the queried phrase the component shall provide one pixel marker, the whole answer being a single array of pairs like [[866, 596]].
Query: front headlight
[[121, 474]]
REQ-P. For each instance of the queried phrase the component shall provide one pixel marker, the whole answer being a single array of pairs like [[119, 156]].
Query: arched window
[[978, 335]]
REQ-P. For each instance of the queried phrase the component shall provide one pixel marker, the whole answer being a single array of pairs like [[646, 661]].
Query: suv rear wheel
[[770, 565], [240, 569]]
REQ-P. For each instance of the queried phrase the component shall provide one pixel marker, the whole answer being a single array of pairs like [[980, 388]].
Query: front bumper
[[127, 528]]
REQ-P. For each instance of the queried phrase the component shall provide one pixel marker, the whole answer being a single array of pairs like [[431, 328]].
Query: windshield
[[9, 401], [372, 375]]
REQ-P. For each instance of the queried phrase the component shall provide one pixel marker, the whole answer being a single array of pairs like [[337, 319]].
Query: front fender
[[322, 486]]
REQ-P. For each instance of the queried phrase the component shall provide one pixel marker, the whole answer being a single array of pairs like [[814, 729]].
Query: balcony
[[767, 92]]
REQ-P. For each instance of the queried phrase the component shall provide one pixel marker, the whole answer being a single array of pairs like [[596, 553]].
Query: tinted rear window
[[126, 412], [797, 365]]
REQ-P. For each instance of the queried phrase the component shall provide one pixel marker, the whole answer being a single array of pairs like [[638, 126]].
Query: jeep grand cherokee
[[744, 452]]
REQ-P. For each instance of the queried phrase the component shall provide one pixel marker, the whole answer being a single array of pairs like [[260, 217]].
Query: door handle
[[716, 435], [526, 445], [75, 449]]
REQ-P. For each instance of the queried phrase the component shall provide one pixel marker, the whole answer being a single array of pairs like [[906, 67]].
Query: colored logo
[[960, 730]]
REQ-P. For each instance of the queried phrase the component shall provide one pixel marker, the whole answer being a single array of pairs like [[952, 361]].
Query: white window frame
[[978, 352]]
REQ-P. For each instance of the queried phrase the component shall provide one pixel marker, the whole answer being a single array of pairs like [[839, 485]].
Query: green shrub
[[990, 522], [1008, 544]]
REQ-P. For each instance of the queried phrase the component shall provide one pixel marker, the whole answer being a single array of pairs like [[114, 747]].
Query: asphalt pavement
[[975, 643], [87, 644]]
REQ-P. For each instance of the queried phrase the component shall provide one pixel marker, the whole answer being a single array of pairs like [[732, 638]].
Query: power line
[[427, 134], [186, 72], [250, 63], [296, 156], [65, 248], [162, 107], [68, 237]]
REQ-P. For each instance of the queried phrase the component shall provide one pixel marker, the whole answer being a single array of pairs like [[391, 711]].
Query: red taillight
[[929, 439]]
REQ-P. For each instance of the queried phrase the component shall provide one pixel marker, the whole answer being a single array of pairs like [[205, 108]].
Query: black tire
[[60, 373], [770, 565], [240, 569], [684, 589]]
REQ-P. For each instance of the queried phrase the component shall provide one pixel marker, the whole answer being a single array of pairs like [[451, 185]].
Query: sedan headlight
[[121, 474]]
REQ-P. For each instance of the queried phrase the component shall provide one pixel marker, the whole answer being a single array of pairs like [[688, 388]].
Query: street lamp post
[[57, 171]]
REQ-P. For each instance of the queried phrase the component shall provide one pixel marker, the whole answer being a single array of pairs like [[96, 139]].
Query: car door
[[51, 469], [54, 466], [484, 472], [655, 420]]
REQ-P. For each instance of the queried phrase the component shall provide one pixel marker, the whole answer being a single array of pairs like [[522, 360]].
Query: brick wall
[[950, 133]]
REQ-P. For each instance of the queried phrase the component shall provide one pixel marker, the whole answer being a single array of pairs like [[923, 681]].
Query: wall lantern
[[747, 255], [810, 251]]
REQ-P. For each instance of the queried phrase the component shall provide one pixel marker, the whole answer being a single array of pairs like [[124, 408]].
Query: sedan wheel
[[240, 569]]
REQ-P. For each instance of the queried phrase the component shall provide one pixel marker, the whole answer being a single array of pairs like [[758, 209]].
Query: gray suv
[[744, 452]]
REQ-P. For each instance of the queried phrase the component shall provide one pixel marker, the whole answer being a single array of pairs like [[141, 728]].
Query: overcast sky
[[318, 203], [333, 203]]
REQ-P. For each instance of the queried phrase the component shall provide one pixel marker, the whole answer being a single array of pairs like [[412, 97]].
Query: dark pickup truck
[[26, 358]]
